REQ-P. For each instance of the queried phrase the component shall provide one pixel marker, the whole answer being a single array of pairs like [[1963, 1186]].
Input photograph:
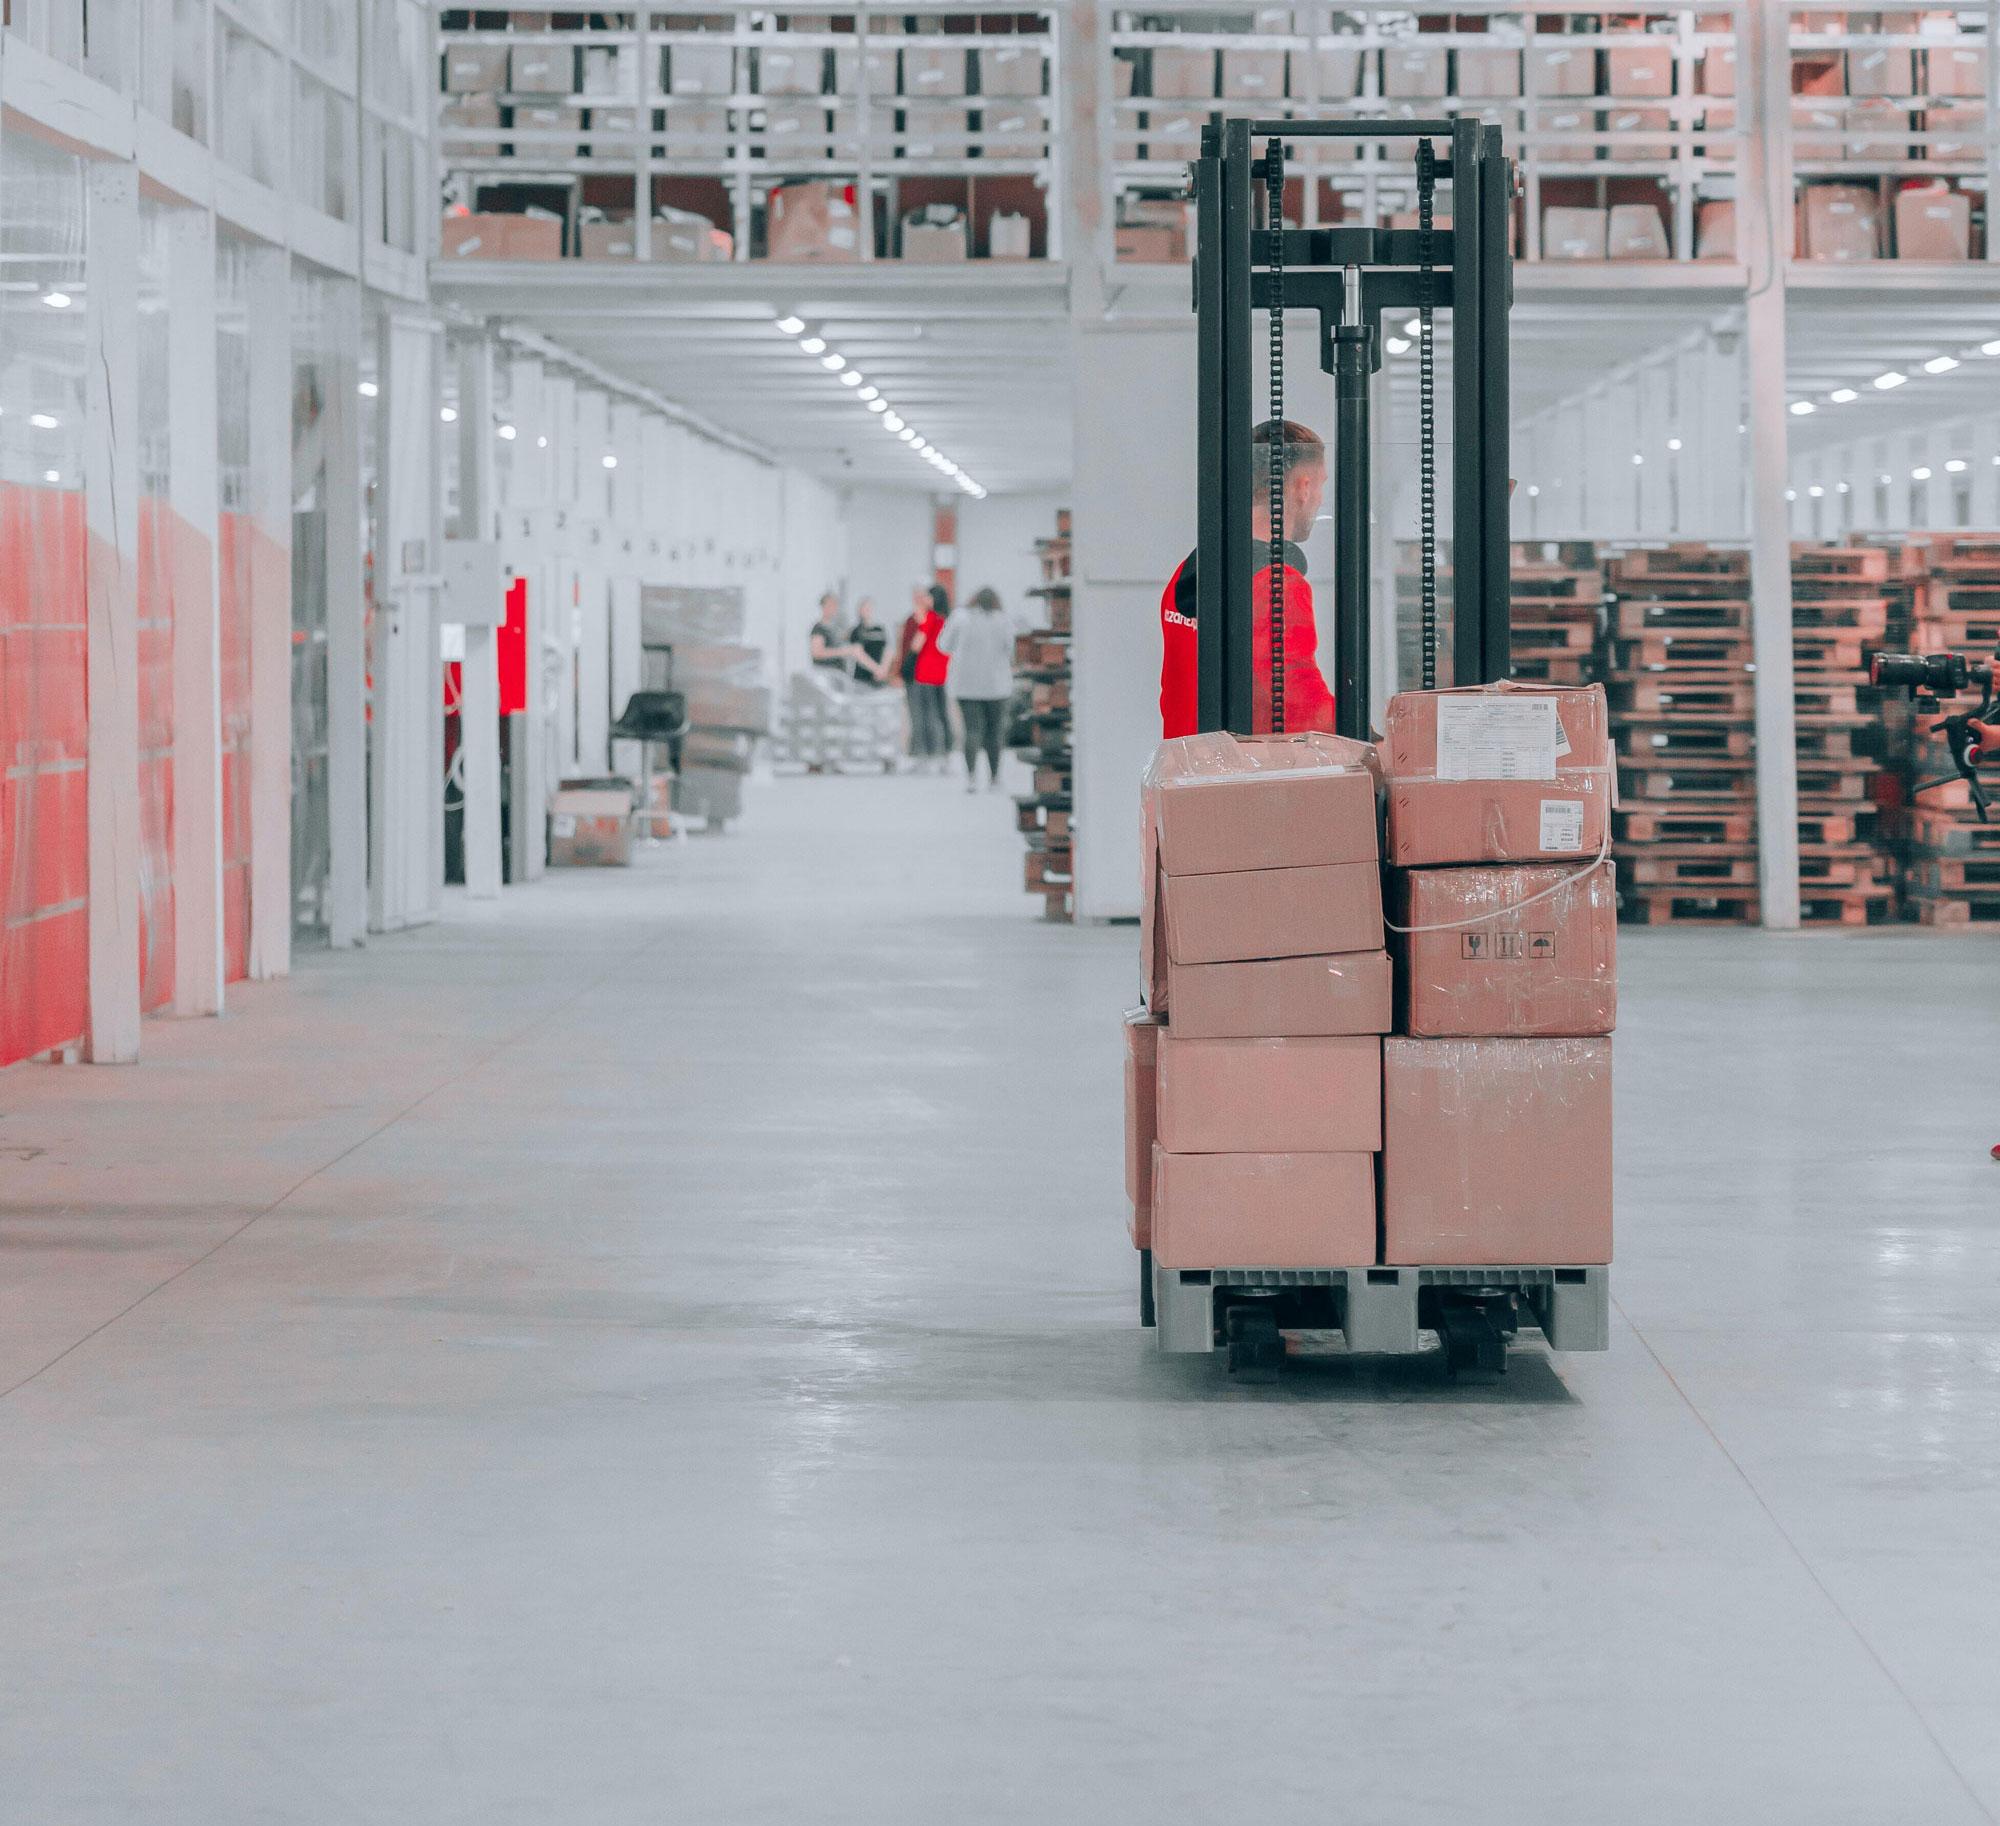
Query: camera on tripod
[[1969, 735]]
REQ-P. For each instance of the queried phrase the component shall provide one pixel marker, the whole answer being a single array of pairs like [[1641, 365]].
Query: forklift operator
[[1308, 702]]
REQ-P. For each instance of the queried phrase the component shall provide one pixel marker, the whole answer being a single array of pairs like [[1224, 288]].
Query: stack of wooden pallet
[[1953, 858], [1557, 591], [1042, 658], [1678, 668]]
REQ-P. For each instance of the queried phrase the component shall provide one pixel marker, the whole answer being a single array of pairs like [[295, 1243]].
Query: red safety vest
[[1308, 702]]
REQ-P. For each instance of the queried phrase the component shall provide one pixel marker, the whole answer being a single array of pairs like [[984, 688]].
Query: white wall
[[996, 544], [888, 550]]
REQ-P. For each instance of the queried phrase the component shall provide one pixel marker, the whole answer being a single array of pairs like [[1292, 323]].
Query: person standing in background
[[979, 641], [830, 647], [930, 721], [870, 641]]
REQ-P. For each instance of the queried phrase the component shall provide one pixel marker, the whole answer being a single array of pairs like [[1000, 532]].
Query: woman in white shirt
[[979, 640]]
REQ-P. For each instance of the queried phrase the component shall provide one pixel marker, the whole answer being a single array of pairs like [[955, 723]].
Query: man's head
[[1298, 455], [829, 607], [865, 612]]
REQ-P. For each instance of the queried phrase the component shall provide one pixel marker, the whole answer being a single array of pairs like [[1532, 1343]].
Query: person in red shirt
[[1308, 702], [930, 718]]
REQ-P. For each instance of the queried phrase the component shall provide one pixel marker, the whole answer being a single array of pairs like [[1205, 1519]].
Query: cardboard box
[[1012, 130], [1489, 965], [1718, 70], [682, 238], [1636, 231], [1933, 224], [1561, 69], [1260, 913], [1497, 773], [1124, 75], [790, 70], [1879, 69], [608, 126], [1820, 73], [1883, 130], [1319, 1095], [1816, 130], [1009, 237], [879, 64], [1348, 993], [1639, 69], [1955, 133], [606, 70], [1253, 75], [1009, 69], [471, 69], [470, 112], [1958, 69], [1416, 72], [1173, 134], [1715, 230], [701, 69], [1339, 73], [929, 242], [693, 127], [812, 221], [1263, 1210], [501, 237], [542, 69], [1183, 75], [936, 130], [590, 825], [606, 240], [1488, 75], [1718, 125], [1640, 120], [1495, 1152], [545, 120], [1574, 234], [714, 705], [1147, 245], [1568, 139], [1142, 1037], [1840, 222], [933, 70], [795, 129], [1219, 803]]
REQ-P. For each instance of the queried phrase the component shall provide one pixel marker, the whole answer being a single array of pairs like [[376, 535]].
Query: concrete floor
[[668, 1354]]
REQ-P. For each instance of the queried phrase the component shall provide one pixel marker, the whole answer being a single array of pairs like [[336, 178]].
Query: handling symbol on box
[[1472, 944], [1541, 944]]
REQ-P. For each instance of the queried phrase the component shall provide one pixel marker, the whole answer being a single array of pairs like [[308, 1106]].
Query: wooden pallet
[[1955, 875], [1828, 650], [1682, 907], [1552, 668], [1944, 835], [1658, 563], [1700, 742], [1716, 868], [1833, 828], [1974, 910], [1864, 618], [1698, 654], [1811, 697], [1686, 780], [1846, 907], [1644, 698], [1853, 563], [1722, 823], [1554, 634], [1693, 615]]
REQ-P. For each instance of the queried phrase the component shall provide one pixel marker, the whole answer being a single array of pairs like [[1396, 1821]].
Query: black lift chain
[[1274, 180], [1427, 409]]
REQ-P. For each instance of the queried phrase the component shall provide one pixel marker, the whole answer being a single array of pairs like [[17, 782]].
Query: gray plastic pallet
[[1379, 1305]]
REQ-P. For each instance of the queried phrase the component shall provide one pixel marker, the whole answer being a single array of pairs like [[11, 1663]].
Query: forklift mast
[[1349, 277]]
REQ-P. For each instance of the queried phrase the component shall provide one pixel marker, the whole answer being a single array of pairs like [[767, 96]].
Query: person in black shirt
[[870, 641], [827, 648]]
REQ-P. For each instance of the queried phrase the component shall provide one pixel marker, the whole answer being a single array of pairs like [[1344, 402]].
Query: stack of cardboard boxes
[[1270, 1124], [1268, 991]]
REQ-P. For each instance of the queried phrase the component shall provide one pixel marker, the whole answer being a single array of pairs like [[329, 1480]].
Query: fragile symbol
[[1472, 944]]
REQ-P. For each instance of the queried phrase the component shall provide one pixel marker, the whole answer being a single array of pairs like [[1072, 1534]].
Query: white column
[[269, 284], [1984, 457], [111, 512], [479, 705], [1653, 388], [346, 632], [194, 459], [1765, 203]]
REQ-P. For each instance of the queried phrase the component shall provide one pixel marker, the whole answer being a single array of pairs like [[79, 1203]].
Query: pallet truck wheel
[[1256, 1351], [1147, 1317], [1475, 1345]]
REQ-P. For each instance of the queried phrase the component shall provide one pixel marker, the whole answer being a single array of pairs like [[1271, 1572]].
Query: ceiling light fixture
[[1941, 364], [1990, 348], [1397, 346], [542, 442], [610, 461], [1955, 467], [1803, 408], [1637, 459], [877, 404], [1920, 474], [449, 414], [852, 378], [813, 345], [57, 301], [1534, 489], [52, 475], [891, 422], [1673, 443], [907, 435], [509, 433], [1841, 488], [833, 363], [871, 394], [1842, 395], [368, 389], [1884, 382], [43, 421], [1816, 491], [789, 326]]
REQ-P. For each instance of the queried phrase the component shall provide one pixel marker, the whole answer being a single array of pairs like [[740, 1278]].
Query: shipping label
[[1502, 737], [1562, 824]]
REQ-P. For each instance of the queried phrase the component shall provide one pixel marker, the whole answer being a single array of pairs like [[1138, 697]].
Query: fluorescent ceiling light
[[1841, 488], [891, 421], [851, 378], [1920, 474], [906, 434], [509, 433], [1842, 395], [1415, 327], [52, 475], [877, 404], [833, 363], [369, 389], [57, 301], [790, 326], [1803, 408], [871, 394], [42, 421], [1941, 364], [1816, 491], [1990, 348], [610, 461], [542, 442], [1883, 382], [1397, 346], [813, 345], [449, 414], [1955, 467], [1673, 443], [1534, 489], [1637, 459]]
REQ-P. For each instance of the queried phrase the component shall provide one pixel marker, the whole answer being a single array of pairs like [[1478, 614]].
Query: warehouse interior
[[592, 1228]]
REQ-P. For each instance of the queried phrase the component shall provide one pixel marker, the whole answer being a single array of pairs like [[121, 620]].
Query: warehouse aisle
[[667, 1354]]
